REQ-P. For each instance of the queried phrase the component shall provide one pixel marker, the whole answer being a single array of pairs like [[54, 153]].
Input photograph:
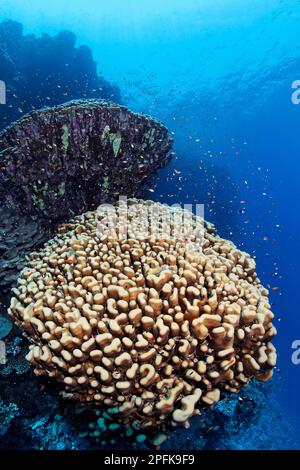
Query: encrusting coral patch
[[145, 328]]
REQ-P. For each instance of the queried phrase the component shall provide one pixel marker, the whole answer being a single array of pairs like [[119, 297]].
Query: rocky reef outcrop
[[46, 70]]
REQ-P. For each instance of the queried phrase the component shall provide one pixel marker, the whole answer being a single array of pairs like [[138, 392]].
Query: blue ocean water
[[219, 74]]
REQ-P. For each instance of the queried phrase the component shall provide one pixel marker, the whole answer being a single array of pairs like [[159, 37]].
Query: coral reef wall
[[46, 70]]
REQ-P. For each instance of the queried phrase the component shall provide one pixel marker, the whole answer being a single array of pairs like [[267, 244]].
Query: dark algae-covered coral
[[18, 235], [64, 160], [61, 161]]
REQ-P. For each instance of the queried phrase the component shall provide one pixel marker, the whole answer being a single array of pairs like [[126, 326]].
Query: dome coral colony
[[144, 327]]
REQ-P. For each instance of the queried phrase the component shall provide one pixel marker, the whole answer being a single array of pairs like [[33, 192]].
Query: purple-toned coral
[[18, 236], [64, 160]]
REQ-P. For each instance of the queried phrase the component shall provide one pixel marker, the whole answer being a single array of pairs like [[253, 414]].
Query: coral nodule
[[142, 326]]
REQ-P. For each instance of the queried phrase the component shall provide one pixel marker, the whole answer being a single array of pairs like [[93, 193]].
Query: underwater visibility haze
[[207, 111]]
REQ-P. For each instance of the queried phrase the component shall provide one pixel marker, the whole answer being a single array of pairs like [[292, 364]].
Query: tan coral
[[142, 326]]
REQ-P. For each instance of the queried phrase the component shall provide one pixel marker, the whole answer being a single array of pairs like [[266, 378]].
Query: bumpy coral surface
[[62, 161], [143, 326]]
